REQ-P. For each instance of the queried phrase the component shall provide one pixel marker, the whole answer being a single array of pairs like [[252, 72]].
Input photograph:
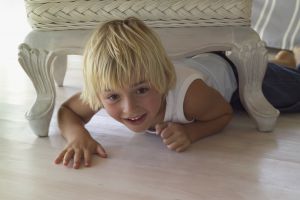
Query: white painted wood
[[60, 67], [247, 52], [37, 64], [82, 14], [189, 35]]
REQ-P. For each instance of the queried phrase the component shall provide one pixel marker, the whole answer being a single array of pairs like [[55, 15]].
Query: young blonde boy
[[128, 73]]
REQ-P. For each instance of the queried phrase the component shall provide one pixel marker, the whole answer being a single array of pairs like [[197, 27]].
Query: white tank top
[[209, 67]]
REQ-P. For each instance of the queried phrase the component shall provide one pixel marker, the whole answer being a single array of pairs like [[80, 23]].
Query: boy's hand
[[81, 148], [174, 136]]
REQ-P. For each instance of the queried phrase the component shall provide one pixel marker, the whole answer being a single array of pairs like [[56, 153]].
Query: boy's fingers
[[174, 145], [60, 157], [160, 127], [77, 159], [169, 140], [101, 152], [68, 156], [87, 158], [182, 148], [166, 133]]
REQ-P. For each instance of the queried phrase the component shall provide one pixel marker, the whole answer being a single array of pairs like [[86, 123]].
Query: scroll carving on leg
[[37, 64], [251, 61]]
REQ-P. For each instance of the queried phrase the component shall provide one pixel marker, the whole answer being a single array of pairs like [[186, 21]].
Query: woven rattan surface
[[86, 14]]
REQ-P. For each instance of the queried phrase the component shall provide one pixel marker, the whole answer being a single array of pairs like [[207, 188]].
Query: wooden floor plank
[[237, 164]]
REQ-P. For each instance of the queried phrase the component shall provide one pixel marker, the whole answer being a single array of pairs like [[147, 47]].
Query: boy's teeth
[[135, 118]]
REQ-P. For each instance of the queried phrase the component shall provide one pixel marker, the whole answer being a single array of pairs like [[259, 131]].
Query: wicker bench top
[[86, 14]]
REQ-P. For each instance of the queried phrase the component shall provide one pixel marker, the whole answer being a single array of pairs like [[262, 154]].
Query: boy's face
[[138, 106]]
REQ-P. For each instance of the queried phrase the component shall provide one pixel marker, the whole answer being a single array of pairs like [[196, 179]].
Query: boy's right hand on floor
[[80, 149]]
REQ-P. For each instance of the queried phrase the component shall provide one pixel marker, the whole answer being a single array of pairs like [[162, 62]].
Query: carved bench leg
[[37, 64], [59, 69], [251, 62]]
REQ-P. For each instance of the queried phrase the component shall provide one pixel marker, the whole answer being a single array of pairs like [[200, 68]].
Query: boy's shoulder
[[185, 74]]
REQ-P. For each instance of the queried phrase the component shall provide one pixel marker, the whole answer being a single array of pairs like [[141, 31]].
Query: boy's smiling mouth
[[137, 119]]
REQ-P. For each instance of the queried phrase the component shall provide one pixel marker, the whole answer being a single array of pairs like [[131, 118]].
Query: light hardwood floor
[[239, 163]]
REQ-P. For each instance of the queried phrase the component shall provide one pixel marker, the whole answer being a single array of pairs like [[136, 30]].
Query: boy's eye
[[142, 90], [113, 97]]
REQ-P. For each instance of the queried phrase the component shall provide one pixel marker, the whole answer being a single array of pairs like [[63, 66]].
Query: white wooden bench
[[186, 27]]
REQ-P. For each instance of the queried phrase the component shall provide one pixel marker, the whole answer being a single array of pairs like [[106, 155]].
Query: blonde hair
[[124, 52]]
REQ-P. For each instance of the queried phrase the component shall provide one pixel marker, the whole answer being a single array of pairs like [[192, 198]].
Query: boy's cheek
[[112, 112]]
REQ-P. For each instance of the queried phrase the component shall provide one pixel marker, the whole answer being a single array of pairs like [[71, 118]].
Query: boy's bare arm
[[72, 116], [209, 110]]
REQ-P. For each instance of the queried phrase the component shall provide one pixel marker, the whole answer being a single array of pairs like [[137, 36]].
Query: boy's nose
[[129, 105]]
